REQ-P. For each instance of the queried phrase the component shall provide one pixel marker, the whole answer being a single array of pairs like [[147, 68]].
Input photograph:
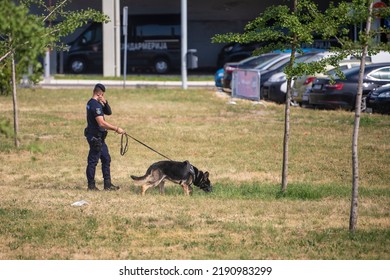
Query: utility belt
[[95, 133], [97, 138]]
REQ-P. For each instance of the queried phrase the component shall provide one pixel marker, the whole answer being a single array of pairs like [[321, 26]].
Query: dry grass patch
[[240, 145]]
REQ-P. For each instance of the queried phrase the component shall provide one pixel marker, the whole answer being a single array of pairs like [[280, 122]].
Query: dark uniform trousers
[[97, 150]]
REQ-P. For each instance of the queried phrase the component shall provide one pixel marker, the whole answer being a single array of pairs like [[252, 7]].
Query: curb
[[54, 83]]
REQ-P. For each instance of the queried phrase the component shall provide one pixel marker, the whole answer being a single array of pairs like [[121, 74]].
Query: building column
[[111, 39]]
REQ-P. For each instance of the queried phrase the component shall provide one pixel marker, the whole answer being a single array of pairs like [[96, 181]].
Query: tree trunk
[[287, 112], [286, 134], [15, 104], [355, 137]]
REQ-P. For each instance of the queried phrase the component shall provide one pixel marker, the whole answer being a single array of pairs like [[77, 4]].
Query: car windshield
[[254, 61], [315, 57], [270, 62], [346, 72], [350, 71], [300, 58], [280, 63]]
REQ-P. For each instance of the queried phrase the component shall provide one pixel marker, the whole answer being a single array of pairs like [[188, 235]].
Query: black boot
[[92, 187], [108, 186]]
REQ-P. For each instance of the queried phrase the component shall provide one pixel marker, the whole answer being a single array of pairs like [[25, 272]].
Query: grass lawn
[[245, 217]]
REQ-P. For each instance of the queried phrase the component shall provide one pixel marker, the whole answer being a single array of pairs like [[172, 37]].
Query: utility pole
[[184, 44]]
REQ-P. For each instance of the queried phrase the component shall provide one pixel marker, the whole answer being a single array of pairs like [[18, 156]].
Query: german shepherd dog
[[182, 173]]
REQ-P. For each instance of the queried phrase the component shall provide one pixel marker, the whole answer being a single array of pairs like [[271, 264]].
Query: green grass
[[245, 217]]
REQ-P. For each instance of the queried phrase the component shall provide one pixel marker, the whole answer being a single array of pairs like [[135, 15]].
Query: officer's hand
[[119, 130], [102, 100]]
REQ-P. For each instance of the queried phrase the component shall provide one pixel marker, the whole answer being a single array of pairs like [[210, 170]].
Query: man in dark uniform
[[96, 132]]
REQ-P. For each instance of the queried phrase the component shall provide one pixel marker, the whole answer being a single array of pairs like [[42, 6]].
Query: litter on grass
[[80, 203]]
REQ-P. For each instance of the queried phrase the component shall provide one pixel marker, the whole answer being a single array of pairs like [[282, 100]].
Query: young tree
[[21, 35], [355, 136], [25, 37], [282, 27], [367, 43], [21, 41], [354, 13]]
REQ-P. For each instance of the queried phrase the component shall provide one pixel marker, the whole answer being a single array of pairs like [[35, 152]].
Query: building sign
[[146, 46], [246, 84]]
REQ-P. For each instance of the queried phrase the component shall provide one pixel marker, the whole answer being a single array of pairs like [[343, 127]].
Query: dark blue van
[[153, 43]]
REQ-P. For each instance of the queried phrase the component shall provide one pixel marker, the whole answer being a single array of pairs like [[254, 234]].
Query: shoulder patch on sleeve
[[98, 111]]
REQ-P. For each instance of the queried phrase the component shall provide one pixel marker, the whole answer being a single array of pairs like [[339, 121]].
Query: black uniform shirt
[[94, 109]]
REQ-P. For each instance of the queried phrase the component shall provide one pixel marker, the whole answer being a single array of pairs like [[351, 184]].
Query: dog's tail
[[139, 179]]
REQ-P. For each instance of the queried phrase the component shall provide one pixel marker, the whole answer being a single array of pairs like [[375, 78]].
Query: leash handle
[[125, 148]]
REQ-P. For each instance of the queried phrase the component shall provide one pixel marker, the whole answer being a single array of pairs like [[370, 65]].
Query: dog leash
[[125, 145]]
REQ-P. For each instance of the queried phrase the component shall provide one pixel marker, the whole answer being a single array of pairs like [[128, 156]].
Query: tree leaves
[[28, 36]]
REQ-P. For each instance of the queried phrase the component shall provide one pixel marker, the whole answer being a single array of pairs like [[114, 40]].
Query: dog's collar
[[192, 172]]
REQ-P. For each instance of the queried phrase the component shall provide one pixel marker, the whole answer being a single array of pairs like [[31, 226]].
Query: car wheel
[[77, 65], [161, 65]]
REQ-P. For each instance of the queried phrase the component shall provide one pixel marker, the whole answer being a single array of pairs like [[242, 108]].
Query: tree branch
[[5, 56], [56, 8]]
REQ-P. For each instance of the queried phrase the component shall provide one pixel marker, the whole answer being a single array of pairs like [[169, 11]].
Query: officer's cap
[[100, 86]]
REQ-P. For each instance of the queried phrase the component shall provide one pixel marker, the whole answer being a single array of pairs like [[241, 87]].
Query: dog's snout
[[208, 188]]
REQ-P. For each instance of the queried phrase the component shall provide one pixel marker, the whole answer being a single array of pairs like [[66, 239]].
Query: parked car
[[342, 93], [277, 83], [234, 52], [260, 61], [302, 84], [218, 78], [378, 100], [275, 88], [265, 75]]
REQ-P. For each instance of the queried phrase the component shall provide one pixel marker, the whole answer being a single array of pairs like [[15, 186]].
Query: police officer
[[96, 132]]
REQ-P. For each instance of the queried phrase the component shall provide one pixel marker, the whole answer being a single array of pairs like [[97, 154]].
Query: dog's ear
[[206, 175]]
